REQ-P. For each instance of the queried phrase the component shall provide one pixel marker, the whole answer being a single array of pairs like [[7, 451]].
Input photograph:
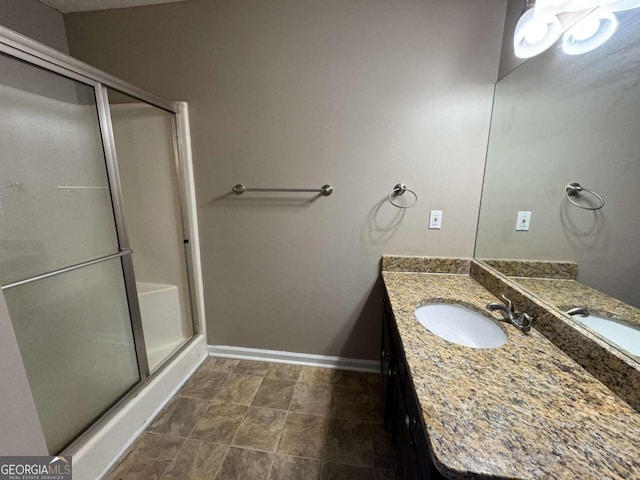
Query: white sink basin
[[622, 335], [460, 325]]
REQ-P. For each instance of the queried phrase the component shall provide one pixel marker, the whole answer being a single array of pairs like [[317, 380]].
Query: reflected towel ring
[[398, 191], [11, 187], [574, 189]]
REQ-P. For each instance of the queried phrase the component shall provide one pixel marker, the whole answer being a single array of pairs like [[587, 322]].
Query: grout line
[[326, 440], [188, 437], [175, 458], [215, 475], [239, 426], [284, 426], [275, 452]]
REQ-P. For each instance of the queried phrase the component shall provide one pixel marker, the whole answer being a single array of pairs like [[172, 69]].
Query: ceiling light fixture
[[589, 33], [539, 27]]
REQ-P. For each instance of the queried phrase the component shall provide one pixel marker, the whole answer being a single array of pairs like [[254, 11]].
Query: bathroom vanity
[[522, 410], [401, 407]]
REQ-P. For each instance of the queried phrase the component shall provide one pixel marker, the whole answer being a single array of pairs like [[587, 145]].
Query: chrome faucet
[[583, 312], [522, 321]]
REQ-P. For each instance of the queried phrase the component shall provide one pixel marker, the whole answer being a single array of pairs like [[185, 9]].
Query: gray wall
[[36, 20], [361, 94]]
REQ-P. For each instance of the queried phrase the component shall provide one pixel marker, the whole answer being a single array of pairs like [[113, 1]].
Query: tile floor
[[244, 420]]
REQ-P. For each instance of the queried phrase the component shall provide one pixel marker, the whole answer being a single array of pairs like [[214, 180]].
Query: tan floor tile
[[196, 461], [284, 371], [293, 468], [274, 393], [220, 423], [261, 429], [348, 378], [251, 367], [239, 389], [350, 403], [218, 364], [241, 464], [313, 398], [317, 375], [350, 442], [204, 384], [179, 417], [148, 458], [304, 435]]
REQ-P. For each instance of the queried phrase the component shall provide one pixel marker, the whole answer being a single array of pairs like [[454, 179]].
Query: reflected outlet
[[435, 219], [523, 221]]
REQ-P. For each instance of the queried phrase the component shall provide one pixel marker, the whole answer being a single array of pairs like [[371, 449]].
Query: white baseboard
[[293, 358], [100, 452]]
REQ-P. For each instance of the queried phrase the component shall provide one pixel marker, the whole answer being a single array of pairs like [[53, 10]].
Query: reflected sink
[[622, 335], [460, 325]]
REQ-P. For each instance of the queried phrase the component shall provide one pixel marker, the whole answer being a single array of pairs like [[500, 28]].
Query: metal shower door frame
[[29, 51]]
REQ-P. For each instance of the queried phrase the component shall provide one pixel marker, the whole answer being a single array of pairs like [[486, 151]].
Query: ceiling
[[67, 6]]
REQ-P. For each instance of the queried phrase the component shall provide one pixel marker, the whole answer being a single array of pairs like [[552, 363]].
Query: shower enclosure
[[95, 258]]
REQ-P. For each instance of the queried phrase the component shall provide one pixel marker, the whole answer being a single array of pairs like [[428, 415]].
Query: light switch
[[523, 221], [435, 219]]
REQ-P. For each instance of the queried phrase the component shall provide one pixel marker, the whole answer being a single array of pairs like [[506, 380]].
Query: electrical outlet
[[435, 219], [523, 221]]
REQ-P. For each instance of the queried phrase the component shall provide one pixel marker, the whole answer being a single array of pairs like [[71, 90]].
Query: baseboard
[[100, 452], [294, 358]]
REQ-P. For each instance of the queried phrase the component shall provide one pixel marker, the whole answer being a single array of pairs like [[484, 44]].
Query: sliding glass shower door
[[61, 258], [144, 138]]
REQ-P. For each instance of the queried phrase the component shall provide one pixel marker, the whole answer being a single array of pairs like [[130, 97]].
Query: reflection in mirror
[[560, 119]]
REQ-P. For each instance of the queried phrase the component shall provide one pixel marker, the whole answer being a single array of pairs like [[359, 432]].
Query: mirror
[[558, 119]]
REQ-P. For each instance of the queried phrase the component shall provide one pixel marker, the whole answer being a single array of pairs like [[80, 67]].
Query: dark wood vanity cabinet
[[402, 415]]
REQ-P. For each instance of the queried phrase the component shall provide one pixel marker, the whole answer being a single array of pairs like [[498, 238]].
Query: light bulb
[[535, 33], [589, 33], [586, 28]]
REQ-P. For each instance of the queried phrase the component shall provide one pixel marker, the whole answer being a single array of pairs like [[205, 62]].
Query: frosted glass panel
[[77, 345], [55, 207], [150, 189]]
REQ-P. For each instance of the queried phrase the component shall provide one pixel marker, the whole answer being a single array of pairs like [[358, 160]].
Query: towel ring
[[574, 189], [400, 190]]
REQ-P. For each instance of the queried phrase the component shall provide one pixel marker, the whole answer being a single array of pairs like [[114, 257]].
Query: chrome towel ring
[[400, 190], [574, 189]]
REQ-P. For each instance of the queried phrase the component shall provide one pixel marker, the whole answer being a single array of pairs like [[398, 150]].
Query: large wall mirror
[[560, 119]]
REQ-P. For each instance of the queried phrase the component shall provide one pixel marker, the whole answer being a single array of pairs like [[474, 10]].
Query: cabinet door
[[387, 365], [406, 456]]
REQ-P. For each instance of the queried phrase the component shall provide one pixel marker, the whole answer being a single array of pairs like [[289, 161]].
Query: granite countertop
[[522, 410], [565, 294]]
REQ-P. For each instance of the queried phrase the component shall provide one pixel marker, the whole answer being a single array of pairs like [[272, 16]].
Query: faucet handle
[[523, 321], [508, 303]]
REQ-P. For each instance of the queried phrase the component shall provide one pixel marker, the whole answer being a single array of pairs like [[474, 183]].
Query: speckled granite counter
[[565, 294], [523, 410]]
